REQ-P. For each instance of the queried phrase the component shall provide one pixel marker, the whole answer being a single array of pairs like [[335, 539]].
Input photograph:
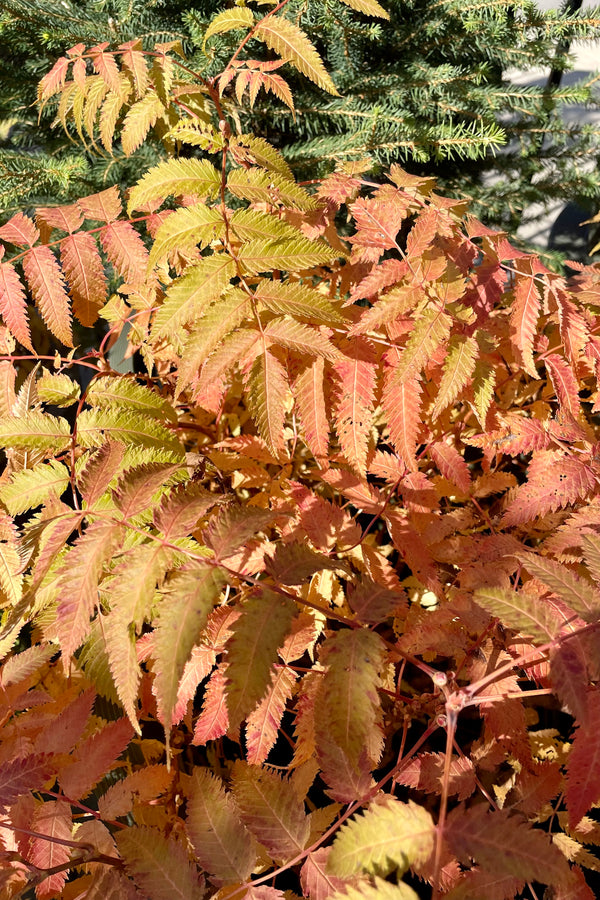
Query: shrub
[[310, 606]]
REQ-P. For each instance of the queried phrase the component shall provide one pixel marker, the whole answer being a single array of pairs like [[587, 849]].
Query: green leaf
[[261, 153], [35, 431], [185, 229], [109, 391], [188, 296], [94, 426], [291, 298], [520, 611], [229, 20], [484, 382], [252, 224], [259, 186], [578, 593], [159, 865], [294, 47], [389, 835], [349, 706], [220, 319], [429, 331], [188, 598], [222, 843], [172, 178], [31, 487], [379, 890], [271, 809], [458, 368], [58, 389], [285, 332], [252, 651], [292, 255], [268, 390]]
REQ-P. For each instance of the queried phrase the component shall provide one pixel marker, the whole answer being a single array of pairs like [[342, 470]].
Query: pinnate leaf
[[578, 593], [184, 229], [85, 276], [262, 726], [430, 330], [23, 774], [389, 835], [555, 484], [293, 46], [13, 304], [356, 375], [189, 296], [110, 391], [173, 177], [140, 118], [230, 528], [368, 7], [47, 285], [349, 708], [252, 651], [159, 865], [458, 368], [583, 767], [99, 470], [94, 757], [258, 185], [524, 315], [30, 487], [229, 20], [188, 599], [52, 819], [505, 844], [143, 785], [80, 575], [268, 391], [520, 611], [222, 843], [35, 431], [377, 889], [95, 426], [271, 810]]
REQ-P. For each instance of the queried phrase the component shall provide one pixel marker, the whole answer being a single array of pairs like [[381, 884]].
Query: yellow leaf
[[368, 7], [238, 17]]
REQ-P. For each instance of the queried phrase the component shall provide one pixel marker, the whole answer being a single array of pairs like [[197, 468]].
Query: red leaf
[[13, 305], [524, 315], [262, 726], [355, 375], [20, 230], [52, 818], [125, 250], [47, 285], [505, 845], [213, 721], [402, 405], [583, 767], [85, 275], [94, 757], [18, 776], [451, 464]]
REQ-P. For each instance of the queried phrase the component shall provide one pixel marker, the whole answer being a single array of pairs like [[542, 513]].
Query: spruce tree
[[429, 88]]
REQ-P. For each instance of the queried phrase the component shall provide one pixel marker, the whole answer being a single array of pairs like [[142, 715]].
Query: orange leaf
[[47, 284]]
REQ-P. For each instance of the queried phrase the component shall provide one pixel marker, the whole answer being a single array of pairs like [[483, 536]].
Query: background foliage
[[429, 88]]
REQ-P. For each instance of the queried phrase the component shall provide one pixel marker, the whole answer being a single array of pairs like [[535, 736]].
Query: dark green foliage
[[430, 89]]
